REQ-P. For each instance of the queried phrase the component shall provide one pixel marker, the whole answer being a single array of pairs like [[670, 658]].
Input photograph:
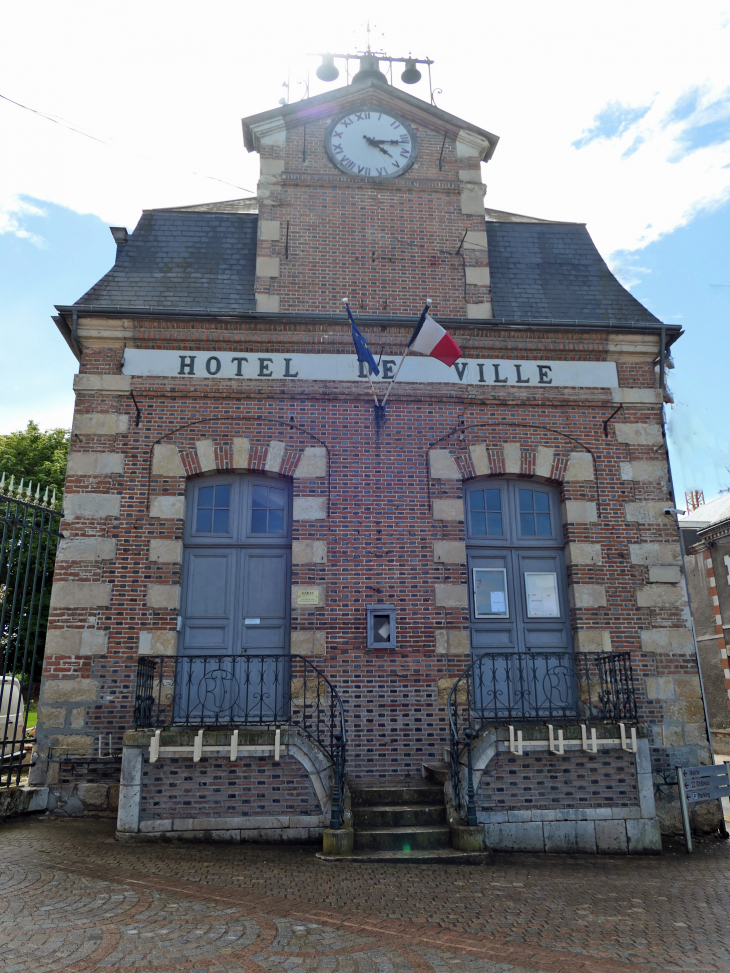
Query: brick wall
[[544, 782], [178, 788]]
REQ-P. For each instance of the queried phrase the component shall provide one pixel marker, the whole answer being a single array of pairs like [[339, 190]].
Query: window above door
[[512, 512], [238, 509]]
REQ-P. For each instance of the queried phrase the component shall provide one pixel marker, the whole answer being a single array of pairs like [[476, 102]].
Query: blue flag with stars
[[361, 346]]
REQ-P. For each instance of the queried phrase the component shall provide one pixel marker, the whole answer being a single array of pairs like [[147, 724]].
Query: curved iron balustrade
[[245, 690], [533, 687]]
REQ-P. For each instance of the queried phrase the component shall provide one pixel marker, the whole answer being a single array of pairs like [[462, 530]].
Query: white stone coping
[[633, 812], [234, 823]]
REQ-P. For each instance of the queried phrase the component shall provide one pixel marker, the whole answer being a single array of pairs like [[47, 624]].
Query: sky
[[616, 115]]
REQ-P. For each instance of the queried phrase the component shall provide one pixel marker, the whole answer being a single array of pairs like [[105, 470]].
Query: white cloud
[[169, 92], [12, 211]]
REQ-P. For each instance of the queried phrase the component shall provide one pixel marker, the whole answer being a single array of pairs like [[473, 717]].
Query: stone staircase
[[403, 820]]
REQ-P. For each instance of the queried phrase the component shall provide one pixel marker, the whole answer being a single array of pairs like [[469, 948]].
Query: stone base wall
[[607, 836]]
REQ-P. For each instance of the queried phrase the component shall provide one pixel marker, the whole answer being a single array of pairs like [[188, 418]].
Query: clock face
[[371, 144]]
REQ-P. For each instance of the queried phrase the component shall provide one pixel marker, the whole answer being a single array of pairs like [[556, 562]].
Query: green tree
[[35, 455]]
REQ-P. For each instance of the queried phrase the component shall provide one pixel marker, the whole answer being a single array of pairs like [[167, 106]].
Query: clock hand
[[381, 141]]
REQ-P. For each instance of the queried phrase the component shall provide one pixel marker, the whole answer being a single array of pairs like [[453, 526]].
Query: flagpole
[[400, 363]]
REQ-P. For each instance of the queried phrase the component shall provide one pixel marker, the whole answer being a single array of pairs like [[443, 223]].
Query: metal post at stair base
[[684, 808], [471, 807], [336, 813]]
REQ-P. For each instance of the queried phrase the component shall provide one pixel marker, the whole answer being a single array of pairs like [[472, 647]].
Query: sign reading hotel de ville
[[262, 367]]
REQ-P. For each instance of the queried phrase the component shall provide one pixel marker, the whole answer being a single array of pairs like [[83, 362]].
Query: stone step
[[404, 794], [436, 771], [402, 839], [436, 856], [399, 816]]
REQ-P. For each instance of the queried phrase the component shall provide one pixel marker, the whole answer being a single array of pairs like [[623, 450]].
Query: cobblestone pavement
[[74, 898]]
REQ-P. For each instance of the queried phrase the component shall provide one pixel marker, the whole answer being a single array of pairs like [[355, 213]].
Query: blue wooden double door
[[233, 653]]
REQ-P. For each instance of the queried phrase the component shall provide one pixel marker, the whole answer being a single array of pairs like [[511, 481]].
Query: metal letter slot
[[252, 621]]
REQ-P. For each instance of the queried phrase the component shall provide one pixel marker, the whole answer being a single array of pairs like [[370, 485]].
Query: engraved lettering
[[395, 124], [361, 365], [497, 379], [404, 153], [480, 366], [381, 170], [238, 361], [460, 368], [388, 366], [337, 148], [520, 379], [287, 373], [544, 378], [264, 370], [187, 362], [347, 122], [213, 365]]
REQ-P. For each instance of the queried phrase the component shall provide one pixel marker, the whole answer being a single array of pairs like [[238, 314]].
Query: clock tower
[[370, 192]]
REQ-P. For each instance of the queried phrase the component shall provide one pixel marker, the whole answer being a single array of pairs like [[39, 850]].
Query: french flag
[[429, 338]]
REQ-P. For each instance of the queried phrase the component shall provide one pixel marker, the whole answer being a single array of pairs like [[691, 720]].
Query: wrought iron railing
[[245, 690], [533, 687], [29, 531]]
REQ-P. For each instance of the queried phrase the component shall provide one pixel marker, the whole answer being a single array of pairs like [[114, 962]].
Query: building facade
[[282, 602]]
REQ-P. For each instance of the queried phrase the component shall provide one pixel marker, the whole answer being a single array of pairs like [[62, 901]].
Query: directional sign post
[[697, 784]]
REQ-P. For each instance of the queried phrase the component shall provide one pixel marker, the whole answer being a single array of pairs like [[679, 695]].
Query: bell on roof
[[411, 75], [327, 71], [369, 69]]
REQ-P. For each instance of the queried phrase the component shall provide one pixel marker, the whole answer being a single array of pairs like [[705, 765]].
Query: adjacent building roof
[[708, 514], [203, 258]]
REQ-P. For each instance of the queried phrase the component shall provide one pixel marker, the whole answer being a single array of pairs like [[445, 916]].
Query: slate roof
[[183, 260], [203, 258], [553, 272]]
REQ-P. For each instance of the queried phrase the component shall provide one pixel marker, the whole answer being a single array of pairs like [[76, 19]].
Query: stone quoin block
[[653, 554], [91, 464], [80, 594], [667, 641], [241, 451], [449, 552], [165, 552], [688, 687], [611, 838], [480, 312], [267, 266], [269, 229], [512, 457], [479, 459], [587, 595], [637, 433], [163, 596], [665, 574], [472, 198], [661, 596], [648, 512], [592, 640], [313, 463], [309, 643], [267, 303], [70, 690], [627, 396], [106, 384], [72, 743], [309, 508], [544, 459], [76, 641], [583, 553], [166, 460], [100, 424], [167, 508], [451, 510], [645, 471], [451, 596], [478, 276], [442, 465], [52, 716], [272, 167], [275, 456], [660, 687], [470, 175], [87, 549], [156, 642], [309, 552], [450, 641], [475, 240], [205, 449], [580, 467], [91, 505], [580, 512]]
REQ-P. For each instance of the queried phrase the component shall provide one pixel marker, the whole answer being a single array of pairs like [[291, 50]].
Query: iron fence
[[29, 531], [521, 688], [245, 690]]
